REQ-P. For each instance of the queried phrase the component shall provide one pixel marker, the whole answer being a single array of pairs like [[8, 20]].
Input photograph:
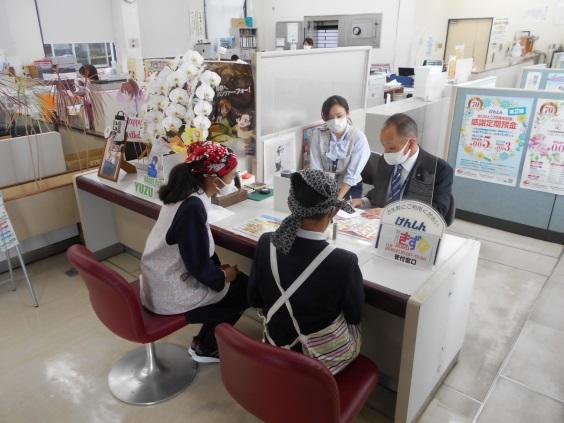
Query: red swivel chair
[[149, 374], [280, 386]]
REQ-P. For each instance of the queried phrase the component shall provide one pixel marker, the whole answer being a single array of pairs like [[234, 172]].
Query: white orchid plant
[[179, 97]]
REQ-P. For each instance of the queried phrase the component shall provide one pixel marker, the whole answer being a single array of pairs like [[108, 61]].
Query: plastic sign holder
[[410, 233]]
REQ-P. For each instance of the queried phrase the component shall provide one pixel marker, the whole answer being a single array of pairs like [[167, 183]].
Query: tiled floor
[[54, 359]]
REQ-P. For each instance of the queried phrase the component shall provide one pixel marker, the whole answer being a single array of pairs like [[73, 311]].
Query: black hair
[[308, 41], [405, 125], [332, 101], [305, 194], [89, 71], [182, 183], [234, 57]]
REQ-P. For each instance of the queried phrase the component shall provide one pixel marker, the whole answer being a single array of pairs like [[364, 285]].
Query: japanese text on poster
[[492, 138], [544, 163], [410, 233]]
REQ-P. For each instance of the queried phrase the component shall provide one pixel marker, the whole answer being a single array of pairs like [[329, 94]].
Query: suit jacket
[[430, 181]]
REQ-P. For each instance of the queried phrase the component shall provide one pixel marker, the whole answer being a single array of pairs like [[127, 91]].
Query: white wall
[[433, 15], [72, 21], [164, 26], [20, 34], [268, 12]]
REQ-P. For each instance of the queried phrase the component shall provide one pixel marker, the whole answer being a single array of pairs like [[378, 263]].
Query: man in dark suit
[[406, 171]]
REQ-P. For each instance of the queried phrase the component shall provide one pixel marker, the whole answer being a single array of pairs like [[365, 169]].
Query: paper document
[[217, 213], [359, 227], [257, 226]]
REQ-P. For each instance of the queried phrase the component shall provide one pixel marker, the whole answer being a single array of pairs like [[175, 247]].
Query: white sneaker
[[203, 358]]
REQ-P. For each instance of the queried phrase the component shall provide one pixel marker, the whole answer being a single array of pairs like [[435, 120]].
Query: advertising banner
[[544, 163], [234, 116], [492, 138]]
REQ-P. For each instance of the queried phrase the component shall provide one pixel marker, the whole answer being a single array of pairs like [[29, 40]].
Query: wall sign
[[492, 138], [544, 164], [410, 233]]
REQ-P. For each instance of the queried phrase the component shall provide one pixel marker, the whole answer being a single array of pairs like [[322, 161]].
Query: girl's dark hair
[[182, 183], [89, 71], [330, 102], [305, 194]]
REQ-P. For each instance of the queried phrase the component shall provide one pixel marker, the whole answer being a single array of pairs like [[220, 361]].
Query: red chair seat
[[117, 303], [279, 386], [355, 384], [158, 326]]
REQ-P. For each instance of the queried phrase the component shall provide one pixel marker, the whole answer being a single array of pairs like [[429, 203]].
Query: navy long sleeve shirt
[[189, 230]]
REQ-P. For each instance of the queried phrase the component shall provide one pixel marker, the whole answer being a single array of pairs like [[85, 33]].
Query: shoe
[[201, 356]]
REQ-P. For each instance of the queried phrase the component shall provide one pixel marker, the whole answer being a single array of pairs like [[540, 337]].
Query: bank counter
[[414, 322]]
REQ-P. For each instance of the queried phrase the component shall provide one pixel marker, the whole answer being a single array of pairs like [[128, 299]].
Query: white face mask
[[307, 47], [226, 188], [337, 125], [398, 157]]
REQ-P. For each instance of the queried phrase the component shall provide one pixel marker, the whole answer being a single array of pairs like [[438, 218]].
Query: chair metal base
[[151, 374]]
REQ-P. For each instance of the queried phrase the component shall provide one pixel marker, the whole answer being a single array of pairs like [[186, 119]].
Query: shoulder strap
[[285, 295]]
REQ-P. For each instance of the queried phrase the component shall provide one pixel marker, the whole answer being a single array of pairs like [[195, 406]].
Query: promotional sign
[[148, 187], [234, 117], [533, 80], [8, 237], [555, 82], [544, 163], [410, 233], [492, 138], [134, 129], [119, 126]]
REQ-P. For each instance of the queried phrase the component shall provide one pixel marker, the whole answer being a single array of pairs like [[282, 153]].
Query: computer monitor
[[406, 71]]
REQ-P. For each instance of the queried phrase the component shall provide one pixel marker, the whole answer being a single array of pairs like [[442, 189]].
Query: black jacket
[[335, 286], [430, 181]]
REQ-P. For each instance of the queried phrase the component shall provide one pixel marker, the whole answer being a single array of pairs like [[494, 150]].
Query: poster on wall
[[555, 82], [492, 138], [544, 162], [233, 117], [533, 81]]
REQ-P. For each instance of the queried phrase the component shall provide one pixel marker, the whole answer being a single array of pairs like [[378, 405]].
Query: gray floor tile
[[549, 308], [128, 276], [127, 262], [537, 360], [514, 257], [502, 298], [507, 238], [449, 405], [559, 270], [513, 403]]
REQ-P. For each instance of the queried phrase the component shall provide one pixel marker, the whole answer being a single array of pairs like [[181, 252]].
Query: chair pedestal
[[152, 374]]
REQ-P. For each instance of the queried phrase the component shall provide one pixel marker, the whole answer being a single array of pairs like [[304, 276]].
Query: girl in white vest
[[180, 271], [340, 149]]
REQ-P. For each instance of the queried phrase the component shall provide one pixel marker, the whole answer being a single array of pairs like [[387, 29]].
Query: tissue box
[[281, 192]]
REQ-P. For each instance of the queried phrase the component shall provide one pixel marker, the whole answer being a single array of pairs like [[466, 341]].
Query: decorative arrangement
[[179, 102]]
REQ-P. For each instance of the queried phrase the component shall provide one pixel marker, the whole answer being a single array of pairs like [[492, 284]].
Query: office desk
[[428, 309]]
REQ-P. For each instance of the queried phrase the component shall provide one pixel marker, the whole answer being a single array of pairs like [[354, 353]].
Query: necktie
[[395, 184]]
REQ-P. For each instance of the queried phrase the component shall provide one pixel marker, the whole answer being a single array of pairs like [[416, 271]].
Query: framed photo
[[307, 137], [111, 161], [279, 154]]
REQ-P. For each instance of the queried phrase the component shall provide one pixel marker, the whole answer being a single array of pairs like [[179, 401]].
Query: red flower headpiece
[[217, 160]]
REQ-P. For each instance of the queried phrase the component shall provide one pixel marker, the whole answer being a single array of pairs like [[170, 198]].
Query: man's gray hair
[[405, 125]]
